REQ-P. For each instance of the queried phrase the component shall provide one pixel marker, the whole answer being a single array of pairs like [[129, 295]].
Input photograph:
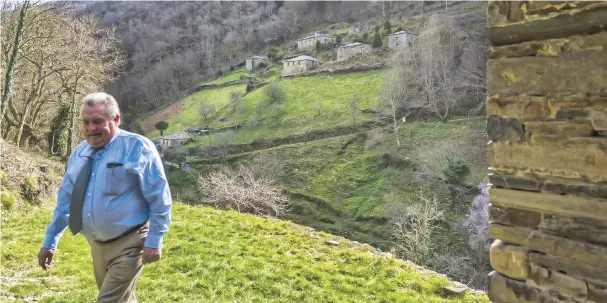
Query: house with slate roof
[[299, 65], [310, 41]]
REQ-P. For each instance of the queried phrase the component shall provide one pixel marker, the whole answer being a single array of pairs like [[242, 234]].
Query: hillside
[[314, 102], [219, 256], [327, 138]]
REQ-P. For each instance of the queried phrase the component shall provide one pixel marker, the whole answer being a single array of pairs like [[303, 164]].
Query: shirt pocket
[[117, 181]]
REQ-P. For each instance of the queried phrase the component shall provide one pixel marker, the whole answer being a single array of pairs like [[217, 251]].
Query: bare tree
[[353, 103], [235, 100], [436, 50], [245, 191], [205, 111], [414, 228], [12, 58], [428, 76], [396, 98]]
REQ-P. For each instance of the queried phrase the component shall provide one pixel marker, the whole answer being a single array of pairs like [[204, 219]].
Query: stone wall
[[547, 122]]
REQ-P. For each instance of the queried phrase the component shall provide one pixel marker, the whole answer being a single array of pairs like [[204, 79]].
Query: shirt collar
[[87, 151]]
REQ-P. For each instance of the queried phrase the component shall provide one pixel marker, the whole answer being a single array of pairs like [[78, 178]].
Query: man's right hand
[[45, 257]]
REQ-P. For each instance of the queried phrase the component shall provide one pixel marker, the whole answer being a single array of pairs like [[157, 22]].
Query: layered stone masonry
[[547, 125]]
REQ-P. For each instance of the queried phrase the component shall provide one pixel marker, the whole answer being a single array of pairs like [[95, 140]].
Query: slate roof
[[352, 44], [175, 136], [301, 58], [401, 32], [317, 35]]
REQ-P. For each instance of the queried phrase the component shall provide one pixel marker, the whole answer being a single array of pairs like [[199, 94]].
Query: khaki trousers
[[117, 266]]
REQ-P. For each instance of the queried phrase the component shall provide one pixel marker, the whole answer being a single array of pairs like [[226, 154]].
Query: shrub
[[250, 87], [274, 92], [219, 73], [339, 39], [244, 191], [8, 202], [30, 190], [232, 68], [456, 172], [176, 155]]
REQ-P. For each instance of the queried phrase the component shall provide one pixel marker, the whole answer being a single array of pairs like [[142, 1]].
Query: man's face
[[99, 127]]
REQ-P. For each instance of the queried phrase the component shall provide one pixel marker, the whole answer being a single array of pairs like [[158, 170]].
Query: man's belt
[[134, 228]]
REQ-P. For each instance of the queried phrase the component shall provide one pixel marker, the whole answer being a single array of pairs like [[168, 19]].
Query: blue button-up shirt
[[127, 187]]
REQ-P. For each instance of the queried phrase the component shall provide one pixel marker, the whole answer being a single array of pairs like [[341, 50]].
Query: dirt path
[[164, 114]]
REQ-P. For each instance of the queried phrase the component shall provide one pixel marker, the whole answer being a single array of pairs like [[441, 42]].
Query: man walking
[[115, 193]]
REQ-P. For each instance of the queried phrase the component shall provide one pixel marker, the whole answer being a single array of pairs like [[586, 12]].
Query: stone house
[[298, 65], [350, 50], [310, 41], [176, 139], [253, 62], [400, 40]]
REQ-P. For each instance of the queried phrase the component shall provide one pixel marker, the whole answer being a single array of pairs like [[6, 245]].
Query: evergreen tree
[[377, 39], [388, 26]]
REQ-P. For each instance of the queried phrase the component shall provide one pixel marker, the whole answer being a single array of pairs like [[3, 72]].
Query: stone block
[[505, 129], [599, 120], [510, 260], [578, 270], [547, 279], [558, 128], [571, 157], [597, 293], [521, 106], [542, 75], [505, 290], [597, 142], [575, 228], [515, 182], [552, 47], [586, 253], [570, 206], [575, 187], [514, 217], [511, 23]]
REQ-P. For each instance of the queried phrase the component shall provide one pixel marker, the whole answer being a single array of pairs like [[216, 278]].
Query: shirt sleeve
[[59, 222], [155, 190]]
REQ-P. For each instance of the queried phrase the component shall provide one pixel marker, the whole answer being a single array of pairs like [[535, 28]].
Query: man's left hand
[[151, 255]]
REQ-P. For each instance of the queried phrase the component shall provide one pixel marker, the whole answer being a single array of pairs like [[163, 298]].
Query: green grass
[[311, 103], [220, 256]]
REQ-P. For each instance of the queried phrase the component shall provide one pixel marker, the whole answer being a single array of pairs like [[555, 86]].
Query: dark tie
[[75, 218]]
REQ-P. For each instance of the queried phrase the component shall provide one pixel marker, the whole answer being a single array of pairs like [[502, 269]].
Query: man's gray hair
[[111, 106]]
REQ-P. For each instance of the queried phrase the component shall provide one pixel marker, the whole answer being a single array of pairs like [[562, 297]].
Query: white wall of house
[[400, 41]]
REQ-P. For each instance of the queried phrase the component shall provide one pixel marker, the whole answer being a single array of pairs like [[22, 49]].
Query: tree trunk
[[70, 138], [22, 124], [10, 69]]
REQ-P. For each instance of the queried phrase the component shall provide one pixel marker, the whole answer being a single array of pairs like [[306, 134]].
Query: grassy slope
[[188, 115], [310, 103], [218, 256], [315, 102], [356, 183]]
